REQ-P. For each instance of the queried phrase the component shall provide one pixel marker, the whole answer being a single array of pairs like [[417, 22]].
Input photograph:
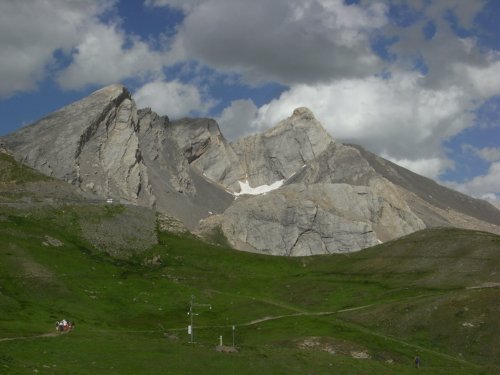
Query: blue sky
[[416, 81]]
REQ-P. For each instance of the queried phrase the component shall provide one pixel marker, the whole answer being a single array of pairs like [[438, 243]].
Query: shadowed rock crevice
[[109, 113]]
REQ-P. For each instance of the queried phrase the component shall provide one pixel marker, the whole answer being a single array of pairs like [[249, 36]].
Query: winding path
[[43, 335], [276, 317]]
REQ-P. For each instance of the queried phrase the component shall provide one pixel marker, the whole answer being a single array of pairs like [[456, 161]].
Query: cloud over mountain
[[286, 41], [34, 31], [403, 78]]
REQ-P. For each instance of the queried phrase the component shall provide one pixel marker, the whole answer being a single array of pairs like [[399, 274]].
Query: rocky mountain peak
[[91, 143], [302, 121], [299, 191], [303, 113], [280, 152], [111, 92]]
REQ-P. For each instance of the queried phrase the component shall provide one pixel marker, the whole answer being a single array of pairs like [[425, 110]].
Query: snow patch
[[245, 188]]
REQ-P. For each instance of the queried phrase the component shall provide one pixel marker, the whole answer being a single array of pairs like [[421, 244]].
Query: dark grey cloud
[[289, 41]]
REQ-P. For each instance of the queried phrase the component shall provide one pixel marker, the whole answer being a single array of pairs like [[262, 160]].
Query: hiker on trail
[[64, 325], [417, 361]]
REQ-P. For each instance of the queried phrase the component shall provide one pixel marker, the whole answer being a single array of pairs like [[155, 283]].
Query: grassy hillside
[[11, 171], [434, 293], [20, 184], [291, 316]]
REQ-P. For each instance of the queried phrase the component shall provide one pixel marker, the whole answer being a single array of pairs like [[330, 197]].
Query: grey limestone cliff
[[106, 146], [282, 151], [328, 197], [91, 143], [335, 197], [299, 220], [206, 149]]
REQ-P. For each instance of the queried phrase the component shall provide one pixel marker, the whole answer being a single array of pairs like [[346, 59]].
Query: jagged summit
[[112, 89], [328, 197], [303, 113], [105, 146], [280, 152], [302, 120], [54, 143], [115, 92]]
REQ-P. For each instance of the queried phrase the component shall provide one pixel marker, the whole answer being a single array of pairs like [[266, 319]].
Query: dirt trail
[[485, 285], [363, 329], [43, 335], [269, 318], [321, 313]]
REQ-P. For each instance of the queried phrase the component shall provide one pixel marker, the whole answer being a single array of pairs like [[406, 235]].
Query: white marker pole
[[191, 314]]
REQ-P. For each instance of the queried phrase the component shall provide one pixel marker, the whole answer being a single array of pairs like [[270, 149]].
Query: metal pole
[[191, 315]]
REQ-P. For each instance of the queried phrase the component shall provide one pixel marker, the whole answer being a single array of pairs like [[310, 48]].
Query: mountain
[[291, 190], [105, 146]]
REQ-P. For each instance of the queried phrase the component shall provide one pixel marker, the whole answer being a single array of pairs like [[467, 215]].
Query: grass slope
[[20, 185], [431, 293], [388, 303]]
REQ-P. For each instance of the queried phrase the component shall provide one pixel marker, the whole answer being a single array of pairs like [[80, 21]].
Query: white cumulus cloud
[[31, 31], [236, 120], [174, 99], [490, 154], [485, 186], [102, 57], [396, 117], [430, 168]]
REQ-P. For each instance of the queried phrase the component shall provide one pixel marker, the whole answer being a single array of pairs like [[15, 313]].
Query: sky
[[415, 81]]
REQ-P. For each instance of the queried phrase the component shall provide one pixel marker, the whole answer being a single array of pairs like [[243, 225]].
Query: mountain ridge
[[329, 197]]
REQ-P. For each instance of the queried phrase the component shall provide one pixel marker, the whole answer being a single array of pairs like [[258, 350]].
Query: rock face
[[291, 190], [3, 150], [302, 220], [92, 143], [335, 197], [282, 151], [204, 147], [104, 145]]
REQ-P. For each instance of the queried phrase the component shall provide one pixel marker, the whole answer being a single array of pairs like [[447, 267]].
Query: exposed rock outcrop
[[3, 149], [120, 231], [104, 145], [91, 143], [299, 219], [311, 194], [205, 148], [282, 151]]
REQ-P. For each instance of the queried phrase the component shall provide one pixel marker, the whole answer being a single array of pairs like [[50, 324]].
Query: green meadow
[[434, 293]]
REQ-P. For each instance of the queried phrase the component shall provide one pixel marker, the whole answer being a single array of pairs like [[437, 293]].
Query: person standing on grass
[[417, 361]]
